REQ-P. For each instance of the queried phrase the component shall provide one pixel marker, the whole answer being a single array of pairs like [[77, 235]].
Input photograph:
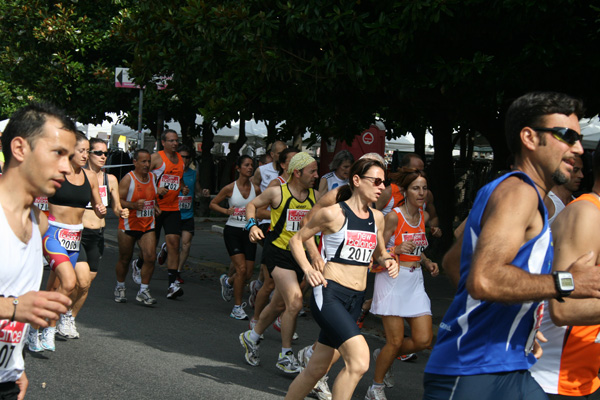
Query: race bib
[[11, 344], [537, 321], [41, 203], [185, 202], [147, 211], [420, 240], [239, 213], [69, 238], [170, 182], [292, 222], [358, 246]]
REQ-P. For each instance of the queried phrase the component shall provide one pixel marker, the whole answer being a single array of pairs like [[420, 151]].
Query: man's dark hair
[[530, 110], [28, 123], [407, 158], [163, 136], [138, 151]]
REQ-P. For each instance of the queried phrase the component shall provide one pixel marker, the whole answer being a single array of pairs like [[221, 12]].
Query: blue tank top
[[482, 337], [186, 203]]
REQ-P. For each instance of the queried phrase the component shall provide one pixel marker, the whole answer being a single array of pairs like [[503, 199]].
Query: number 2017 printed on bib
[[359, 246], [12, 335]]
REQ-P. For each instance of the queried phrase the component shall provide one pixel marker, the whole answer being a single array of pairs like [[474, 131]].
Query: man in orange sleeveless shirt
[[167, 166], [137, 191], [570, 361]]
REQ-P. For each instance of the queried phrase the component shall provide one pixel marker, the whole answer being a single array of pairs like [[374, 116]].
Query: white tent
[[3, 125], [407, 143], [590, 129]]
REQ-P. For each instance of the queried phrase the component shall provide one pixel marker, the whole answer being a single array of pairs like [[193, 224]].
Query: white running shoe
[[63, 326], [254, 288], [174, 291], [251, 348], [136, 272], [74, 332], [238, 312], [303, 357], [33, 340], [161, 256], [120, 295], [288, 363], [145, 297], [48, 339], [226, 290], [388, 379], [375, 393], [321, 390]]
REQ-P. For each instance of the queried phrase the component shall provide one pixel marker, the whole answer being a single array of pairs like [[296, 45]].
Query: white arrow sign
[[122, 79]]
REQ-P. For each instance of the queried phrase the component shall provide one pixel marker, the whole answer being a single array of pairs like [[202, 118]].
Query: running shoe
[[48, 339], [375, 393], [174, 291], [226, 290], [288, 363], [388, 379], [302, 313], [161, 256], [74, 332], [277, 327], [303, 357], [120, 295], [238, 312], [321, 390], [251, 348], [254, 288], [408, 357], [145, 297], [179, 279], [136, 272], [33, 340], [361, 318], [63, 326]]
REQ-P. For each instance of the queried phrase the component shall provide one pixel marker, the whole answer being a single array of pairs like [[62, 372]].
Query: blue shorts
[[336, 308], [514, 385], [61, 243]]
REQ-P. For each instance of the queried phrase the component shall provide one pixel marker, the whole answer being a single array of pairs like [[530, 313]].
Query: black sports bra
[[70, 195]]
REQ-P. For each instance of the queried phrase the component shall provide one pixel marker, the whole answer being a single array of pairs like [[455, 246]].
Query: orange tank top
[[169, 175], [140, 220], [405, 232]]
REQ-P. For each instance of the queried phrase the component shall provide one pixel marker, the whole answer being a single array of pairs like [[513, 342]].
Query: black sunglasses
[[185, 156], [376, 181], [567, 135], [99, 153]]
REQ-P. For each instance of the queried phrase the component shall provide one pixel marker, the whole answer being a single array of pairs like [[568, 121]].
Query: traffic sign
[[122, 79], [368, 138]]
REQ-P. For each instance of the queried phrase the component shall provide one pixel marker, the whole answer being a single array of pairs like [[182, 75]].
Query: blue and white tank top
[[354, 243], [333, 181], [482, 337]]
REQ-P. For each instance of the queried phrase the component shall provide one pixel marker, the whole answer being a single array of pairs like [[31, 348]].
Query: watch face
[[566, 283]]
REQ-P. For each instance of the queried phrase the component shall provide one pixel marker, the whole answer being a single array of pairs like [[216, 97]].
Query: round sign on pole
[[368, 138]]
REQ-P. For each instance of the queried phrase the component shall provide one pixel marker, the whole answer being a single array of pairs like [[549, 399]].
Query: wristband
[[15, 303], [250, 224]]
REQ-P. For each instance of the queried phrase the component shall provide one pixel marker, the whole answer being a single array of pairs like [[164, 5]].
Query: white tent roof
[[590, 129]]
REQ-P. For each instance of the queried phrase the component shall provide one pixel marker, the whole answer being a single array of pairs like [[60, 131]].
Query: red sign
[[368, 137]]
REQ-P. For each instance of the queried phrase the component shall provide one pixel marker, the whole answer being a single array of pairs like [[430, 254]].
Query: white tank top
[[23, 273], [238, 218], [333, 181], [267, 175], [558, 206]]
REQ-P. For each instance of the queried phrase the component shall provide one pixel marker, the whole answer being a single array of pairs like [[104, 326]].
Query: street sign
[[368, 138], [122, 79]]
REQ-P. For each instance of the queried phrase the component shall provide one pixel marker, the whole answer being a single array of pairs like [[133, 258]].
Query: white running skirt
[[403, 296]]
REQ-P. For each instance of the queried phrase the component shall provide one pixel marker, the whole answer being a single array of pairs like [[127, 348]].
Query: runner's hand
[[100, 210], [185, 190], [537, 347], [124, 213], [256, 234], [38, 307], [139, 205], [392, 267], [405, 247], [23, 384], [317, 262], [436, 231], [586, 277], [433, 268], [162, 191], [315, 278], [230, 210]]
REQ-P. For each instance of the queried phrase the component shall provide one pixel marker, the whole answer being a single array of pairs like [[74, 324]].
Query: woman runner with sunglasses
[[352, 235], [405, 297]]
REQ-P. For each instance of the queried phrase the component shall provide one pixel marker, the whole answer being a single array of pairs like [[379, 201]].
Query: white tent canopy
[[590, 129]]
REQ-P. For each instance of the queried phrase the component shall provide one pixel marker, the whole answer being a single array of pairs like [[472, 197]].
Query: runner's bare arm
[[390, 223], [326, 200], [323, 188], [574, 234], [97, 205], [270, 197], [381, 254], [123, 189], [451, 261], [384, 198], [434, 222], [224, 193], [116, 199], [549, 206], [256, 178], [35, 307]]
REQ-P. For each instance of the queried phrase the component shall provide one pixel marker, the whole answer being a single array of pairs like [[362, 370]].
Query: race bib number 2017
[[292, 222], [359, 246]]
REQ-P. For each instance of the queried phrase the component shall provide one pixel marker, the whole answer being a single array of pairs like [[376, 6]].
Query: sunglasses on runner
[[99, 153], [186, 157], [376, 181], [567, 135]]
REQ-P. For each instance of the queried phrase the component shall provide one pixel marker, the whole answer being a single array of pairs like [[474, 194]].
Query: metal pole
[[140, 133]]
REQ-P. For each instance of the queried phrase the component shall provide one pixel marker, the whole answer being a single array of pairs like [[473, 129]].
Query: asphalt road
[[186, 348]]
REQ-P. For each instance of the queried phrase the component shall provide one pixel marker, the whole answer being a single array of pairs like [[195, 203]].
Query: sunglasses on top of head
[[376, 181], [567, 135]]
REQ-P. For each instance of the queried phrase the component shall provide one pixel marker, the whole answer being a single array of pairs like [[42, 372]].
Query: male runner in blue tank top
[[485, 343]]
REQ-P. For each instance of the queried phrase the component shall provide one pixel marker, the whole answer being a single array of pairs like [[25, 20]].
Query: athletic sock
[[255, 337], [172, 276], [285, 350], [120, 284], [375, 384], [143, 287]]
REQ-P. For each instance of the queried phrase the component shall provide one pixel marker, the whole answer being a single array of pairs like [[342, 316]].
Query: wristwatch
[[564, 284]]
